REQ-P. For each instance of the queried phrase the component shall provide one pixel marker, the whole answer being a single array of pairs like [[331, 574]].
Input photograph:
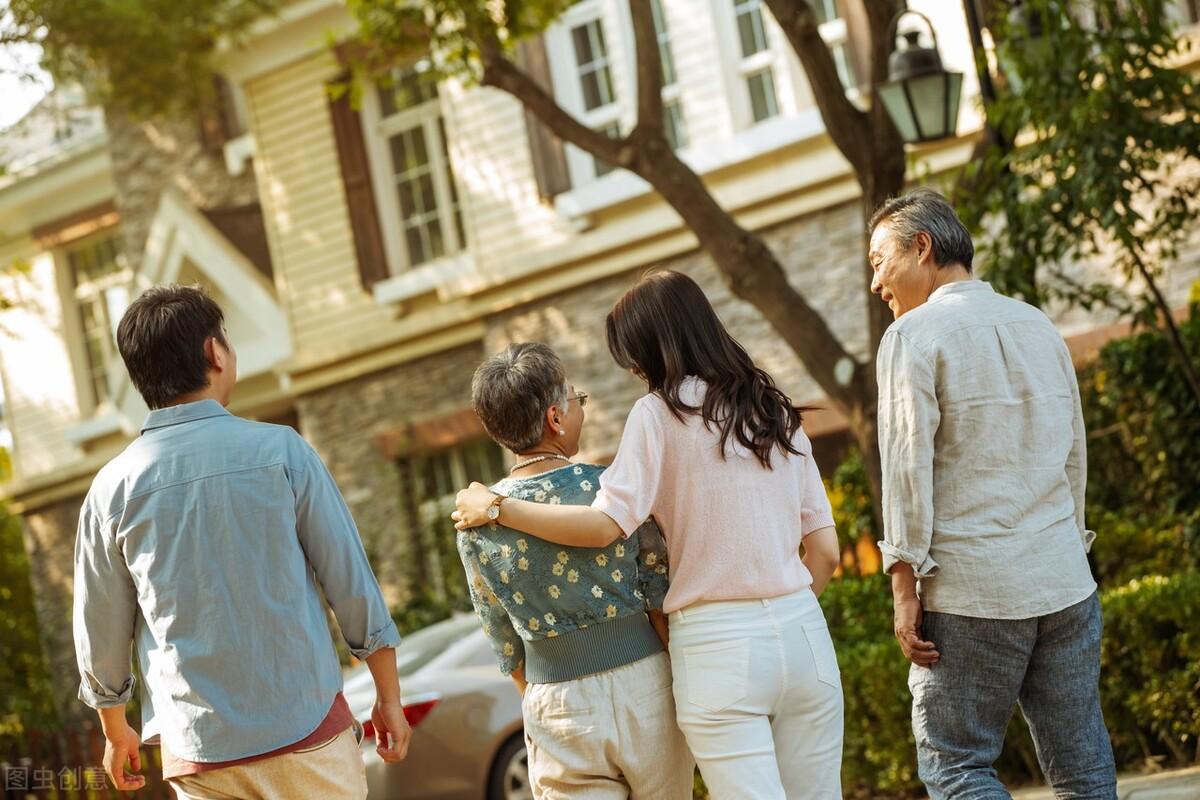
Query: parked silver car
[[467, 742]]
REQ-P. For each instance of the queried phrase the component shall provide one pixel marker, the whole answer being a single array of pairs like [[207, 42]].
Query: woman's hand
[[472, 506]]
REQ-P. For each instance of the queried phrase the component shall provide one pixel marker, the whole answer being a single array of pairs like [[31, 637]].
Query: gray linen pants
[[1048, 665]]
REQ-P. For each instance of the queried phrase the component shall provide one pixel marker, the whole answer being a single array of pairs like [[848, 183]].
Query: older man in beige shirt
[[984, 468]]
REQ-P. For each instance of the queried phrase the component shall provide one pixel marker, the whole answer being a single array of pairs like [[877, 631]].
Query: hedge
[[1150, 683]]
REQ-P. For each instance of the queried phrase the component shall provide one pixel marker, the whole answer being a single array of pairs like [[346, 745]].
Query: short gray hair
[[512, 391], [924, 210]]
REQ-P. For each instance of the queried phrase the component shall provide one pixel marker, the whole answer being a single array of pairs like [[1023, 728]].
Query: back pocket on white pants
[[823, 654], [716, 674]]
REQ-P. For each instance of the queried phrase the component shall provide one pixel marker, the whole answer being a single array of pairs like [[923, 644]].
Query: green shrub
[[879, 754], [853, 517], [1150, 682], [1143, 425], [25, 695], [1129, 547]]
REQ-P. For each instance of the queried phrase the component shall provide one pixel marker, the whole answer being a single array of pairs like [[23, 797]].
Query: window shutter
[[356, 179], [549, 156]]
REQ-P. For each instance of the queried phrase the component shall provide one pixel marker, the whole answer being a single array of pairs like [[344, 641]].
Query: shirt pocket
[[717, 674]]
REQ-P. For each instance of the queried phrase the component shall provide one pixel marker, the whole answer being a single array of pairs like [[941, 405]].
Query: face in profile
[[903, 276], [571, 420]]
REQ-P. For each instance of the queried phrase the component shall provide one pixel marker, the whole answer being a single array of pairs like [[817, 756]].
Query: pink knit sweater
[[733, 527]]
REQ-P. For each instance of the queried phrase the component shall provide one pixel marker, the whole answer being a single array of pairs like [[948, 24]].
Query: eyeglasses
[[581, 397]]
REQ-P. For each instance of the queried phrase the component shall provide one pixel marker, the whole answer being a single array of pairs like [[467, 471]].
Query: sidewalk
[[1180, 784]]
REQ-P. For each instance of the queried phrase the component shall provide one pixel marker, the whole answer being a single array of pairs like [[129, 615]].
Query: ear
[[216, 354], [210, 352], [924, 244]]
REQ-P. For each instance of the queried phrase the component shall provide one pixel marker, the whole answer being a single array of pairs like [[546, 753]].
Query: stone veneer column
[[342, 422]]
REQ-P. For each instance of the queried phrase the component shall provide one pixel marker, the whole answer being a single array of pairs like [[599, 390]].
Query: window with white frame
[[756, 61], [428, 485], [414, 182], [101, 278], [673, 124], [585, 80]]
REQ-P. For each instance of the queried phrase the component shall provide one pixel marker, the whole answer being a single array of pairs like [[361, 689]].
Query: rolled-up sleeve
[[497, 625], [629, 487], [652, 580], [104, 614], [908, 422], [335, 551]]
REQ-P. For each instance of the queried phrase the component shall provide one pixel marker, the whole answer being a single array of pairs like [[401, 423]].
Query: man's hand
[[388, 718], [908, 631], [121, 744]]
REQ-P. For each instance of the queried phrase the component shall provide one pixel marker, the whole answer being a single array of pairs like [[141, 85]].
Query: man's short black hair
[[161, 339]]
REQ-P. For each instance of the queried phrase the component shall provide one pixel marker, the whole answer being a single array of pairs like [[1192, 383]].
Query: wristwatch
[[493, 510]]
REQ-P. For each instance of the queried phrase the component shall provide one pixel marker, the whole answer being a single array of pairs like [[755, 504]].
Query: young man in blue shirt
[[203, 545]]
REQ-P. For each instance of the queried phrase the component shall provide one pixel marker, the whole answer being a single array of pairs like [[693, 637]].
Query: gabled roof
[[60, 122], [183, 246]]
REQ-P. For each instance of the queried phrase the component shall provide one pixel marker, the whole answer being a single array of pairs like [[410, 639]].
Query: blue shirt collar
[[957, 287], [185, 412]]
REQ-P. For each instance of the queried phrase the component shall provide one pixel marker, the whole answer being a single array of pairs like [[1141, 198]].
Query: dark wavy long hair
[[665, 329]]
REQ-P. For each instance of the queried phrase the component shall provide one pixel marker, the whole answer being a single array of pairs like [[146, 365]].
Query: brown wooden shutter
[[549, 156], [356, 179]]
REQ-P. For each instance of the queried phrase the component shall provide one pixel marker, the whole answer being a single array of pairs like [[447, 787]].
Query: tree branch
[[846, 125], [749, 267], [502, 74], [649, 69]]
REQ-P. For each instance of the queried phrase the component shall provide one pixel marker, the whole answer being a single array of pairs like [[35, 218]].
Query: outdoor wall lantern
[[920, 96]]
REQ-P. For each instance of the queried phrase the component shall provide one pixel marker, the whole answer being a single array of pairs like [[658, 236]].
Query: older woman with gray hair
[[580, 630]]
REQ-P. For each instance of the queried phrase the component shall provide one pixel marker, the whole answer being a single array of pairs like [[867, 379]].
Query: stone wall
[[822, 253], [50, 545], [148, 156], [342, 423]]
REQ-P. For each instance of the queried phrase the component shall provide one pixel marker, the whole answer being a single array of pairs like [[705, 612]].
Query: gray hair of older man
[[512, 391], [924, 210]]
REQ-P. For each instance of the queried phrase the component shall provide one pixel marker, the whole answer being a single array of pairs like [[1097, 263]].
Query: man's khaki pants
[[333, 769]]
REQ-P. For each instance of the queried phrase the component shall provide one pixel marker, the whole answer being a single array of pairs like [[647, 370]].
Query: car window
[[423, 646]]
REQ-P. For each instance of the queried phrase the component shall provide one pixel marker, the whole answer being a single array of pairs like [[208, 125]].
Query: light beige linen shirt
[[984, 456]]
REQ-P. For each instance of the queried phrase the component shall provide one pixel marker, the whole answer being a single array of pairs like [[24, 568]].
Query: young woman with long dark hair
[[716, 454]]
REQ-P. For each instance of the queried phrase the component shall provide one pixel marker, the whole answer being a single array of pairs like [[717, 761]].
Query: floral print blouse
[[524, 588]]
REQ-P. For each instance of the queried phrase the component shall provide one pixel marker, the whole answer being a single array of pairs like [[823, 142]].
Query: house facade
[[395, 243]]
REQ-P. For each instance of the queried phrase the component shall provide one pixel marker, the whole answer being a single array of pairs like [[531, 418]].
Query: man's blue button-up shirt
[[204, 544]]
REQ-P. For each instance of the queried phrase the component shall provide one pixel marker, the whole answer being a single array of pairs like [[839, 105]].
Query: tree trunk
[[1177, 346], [748, 267]]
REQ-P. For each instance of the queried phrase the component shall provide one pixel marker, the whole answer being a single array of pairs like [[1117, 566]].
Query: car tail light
[[413, 712], [416, 712]]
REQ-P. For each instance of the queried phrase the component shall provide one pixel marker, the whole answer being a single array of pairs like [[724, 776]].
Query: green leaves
[[148, 55], [1143, 425], [1102, 121]]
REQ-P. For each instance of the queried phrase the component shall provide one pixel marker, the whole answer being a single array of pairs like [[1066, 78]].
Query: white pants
[[759, 697], [608, 736]]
